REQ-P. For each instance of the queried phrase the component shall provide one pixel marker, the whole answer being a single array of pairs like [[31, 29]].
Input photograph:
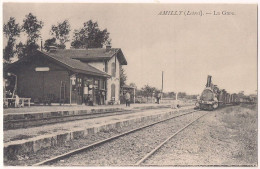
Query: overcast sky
[[186, 48]]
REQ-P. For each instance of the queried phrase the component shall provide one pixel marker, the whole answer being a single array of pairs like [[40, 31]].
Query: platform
[[16, 118], [29, 140]]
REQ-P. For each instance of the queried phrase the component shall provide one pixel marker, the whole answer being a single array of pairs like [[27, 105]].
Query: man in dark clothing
[[127, 99], [158, 98]]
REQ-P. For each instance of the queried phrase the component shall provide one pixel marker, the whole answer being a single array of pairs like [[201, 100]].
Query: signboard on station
[[42, 69]]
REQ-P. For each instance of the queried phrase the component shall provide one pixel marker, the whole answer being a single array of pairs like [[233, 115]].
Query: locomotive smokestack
[[208, 81]]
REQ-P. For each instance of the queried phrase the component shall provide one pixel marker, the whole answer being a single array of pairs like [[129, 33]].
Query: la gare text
[[199, 12]]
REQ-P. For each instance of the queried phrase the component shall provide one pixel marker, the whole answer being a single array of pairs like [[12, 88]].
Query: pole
[[70, 90], [162, 81], [162, 86], [134, 95]]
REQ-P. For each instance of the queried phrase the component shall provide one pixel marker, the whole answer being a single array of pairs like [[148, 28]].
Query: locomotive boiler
[[209, 98]]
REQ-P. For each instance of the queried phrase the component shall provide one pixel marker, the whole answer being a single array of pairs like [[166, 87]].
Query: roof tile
[[76, 65]]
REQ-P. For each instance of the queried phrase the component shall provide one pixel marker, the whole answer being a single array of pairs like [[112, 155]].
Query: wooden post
[[70, 90], [162, 87], [134, 95]]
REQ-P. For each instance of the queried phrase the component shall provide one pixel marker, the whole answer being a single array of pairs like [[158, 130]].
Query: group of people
[[88, 100], [13, 100]]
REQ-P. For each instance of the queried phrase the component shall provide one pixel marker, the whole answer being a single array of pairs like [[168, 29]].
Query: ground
[[225, 137]]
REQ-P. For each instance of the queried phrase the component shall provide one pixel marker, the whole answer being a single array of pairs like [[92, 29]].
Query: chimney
[[208, 81], [108, 47], [52, 48]]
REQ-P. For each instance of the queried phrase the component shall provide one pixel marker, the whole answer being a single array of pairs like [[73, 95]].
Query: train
[[212, 97]]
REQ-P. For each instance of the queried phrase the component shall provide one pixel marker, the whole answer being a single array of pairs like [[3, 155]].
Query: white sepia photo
[[130, 84]]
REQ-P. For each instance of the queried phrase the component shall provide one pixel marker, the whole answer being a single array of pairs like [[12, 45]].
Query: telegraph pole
[[162, 86]]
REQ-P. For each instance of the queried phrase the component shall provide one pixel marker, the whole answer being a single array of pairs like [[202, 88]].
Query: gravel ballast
[[127, 150], [41, 155], [225, 137]]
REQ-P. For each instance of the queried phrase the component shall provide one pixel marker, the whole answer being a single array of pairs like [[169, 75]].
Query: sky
[[185, 48]]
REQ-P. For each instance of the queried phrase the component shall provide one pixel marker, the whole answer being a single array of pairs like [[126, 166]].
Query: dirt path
[[226, 137]]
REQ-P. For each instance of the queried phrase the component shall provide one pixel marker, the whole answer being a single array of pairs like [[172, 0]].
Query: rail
[[165, 141], [85, 148]]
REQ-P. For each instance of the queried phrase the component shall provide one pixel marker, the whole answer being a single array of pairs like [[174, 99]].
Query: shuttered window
[[113, 69], [113, 90]]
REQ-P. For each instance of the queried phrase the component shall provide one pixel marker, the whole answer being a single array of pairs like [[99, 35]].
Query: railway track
[[147, 156], [55, 159]]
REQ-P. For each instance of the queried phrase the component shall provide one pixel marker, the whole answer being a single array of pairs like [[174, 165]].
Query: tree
[[171, 95], [61, 33], [20, 50], [123, 77], [90, 36], [49, 42], [32, 28], [133, 85], [9, 50], [182, 95], [11, 31], [241, 94], [148, 91]]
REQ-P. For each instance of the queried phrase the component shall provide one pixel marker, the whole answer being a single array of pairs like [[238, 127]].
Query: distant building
[[71, 75]]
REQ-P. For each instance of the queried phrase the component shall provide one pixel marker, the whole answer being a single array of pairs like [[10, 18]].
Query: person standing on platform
[[158, 98], [127, 99]]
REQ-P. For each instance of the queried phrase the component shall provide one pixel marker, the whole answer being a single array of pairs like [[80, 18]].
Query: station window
[[113, 90], [106, 70], [113, 69]]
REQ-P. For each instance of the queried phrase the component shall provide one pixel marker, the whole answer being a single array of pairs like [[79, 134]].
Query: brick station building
[[72, 76]]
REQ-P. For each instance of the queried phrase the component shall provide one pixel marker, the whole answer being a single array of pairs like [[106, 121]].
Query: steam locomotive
[[212, 97]]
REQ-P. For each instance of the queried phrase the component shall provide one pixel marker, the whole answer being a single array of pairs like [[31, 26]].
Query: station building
[[72, 76]]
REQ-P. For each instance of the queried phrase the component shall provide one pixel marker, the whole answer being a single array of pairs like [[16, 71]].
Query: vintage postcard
[[130, 84]]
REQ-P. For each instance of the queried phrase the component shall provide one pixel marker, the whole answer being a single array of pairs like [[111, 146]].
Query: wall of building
[[98, 65], [37, 85], [114, 80]]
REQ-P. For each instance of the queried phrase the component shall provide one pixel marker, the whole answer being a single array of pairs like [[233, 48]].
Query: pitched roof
[[75, 65], [71, 59], [91, 54]]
